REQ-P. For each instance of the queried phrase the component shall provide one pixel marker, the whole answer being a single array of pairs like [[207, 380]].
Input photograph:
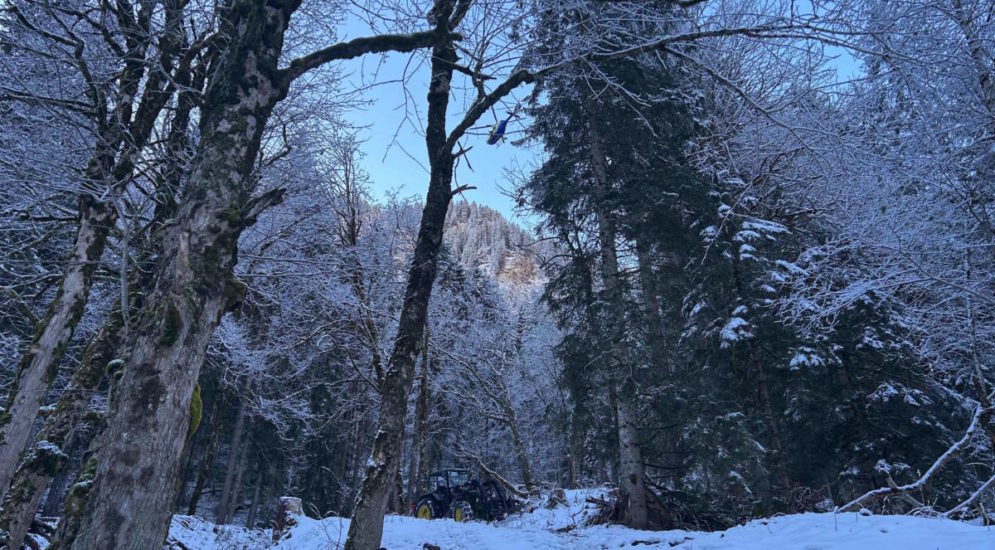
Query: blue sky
[[394, 147], [399, 164]]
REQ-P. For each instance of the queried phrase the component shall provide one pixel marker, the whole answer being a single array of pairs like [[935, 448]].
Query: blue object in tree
[[497, 132]]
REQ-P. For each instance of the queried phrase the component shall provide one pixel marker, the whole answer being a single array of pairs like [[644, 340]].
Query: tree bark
[[33, 476], [136, 468], [630, 455], [234, 457], [40, 364], [416, 463], [631, 463], [366, 527]]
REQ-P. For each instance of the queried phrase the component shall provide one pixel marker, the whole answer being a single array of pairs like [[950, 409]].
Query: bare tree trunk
[[630, 455], [520, 451], [131, 497], [356, 458], [236, 491], [40, 364], [763, 394], [366, 527], [631, 463], [250, 521], [204, 472], [651, 305], [572, 467], [416, 463], [234, 456]]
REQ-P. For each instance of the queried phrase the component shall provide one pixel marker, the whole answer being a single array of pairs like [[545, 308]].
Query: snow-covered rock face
[[564, 527]]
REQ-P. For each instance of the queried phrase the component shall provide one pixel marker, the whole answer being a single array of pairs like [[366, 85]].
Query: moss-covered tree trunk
[[63, 428], [34, 476], [41, 362], [123, 132], [130, 501]]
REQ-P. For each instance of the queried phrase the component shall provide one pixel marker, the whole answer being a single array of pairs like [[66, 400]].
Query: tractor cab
[[448, 480]]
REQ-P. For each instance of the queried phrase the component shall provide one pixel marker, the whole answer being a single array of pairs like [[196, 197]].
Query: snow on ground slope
[[562, 528]]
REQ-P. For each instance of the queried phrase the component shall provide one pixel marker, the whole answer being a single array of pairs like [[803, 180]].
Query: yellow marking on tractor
[[458, 515], [425, 511]]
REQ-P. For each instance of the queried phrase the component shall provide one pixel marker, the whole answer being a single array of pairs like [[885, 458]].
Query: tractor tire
[[426, 509], [461, 511]]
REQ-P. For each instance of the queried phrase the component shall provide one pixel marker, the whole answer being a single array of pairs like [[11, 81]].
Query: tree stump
[[287, 512]]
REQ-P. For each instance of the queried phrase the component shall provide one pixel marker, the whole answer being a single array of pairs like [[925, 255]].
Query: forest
[[747, 271]]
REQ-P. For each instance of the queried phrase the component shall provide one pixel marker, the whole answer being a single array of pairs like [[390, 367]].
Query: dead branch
[[893, 489]]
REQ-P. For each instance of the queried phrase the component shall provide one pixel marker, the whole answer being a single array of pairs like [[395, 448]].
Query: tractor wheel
[[425, 509], [461, 511]]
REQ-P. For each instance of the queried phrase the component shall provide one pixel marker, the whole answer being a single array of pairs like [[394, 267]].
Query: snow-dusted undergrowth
[[563, 528]]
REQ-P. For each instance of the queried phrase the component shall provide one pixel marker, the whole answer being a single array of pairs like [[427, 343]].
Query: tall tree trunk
[[398, 492], [236, 491], [631, 462], [234, 457], [33, 476], [520, 452], [130, 501], [630, 455], [40, 364], [778, 472], [416, 463], [366, 527], [125, 126], [206, 463], [651, 305], [250, 521]]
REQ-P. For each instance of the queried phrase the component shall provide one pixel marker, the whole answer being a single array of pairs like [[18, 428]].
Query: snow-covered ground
[[563, 528]]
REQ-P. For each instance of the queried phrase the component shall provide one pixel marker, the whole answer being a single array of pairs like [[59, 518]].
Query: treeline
[[752, 302]]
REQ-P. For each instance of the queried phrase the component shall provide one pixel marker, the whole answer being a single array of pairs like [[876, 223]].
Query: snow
[[564, 528], [791, 267], [197, 534], [805, 357], [747, 235], [766, 226], [734, 329]]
